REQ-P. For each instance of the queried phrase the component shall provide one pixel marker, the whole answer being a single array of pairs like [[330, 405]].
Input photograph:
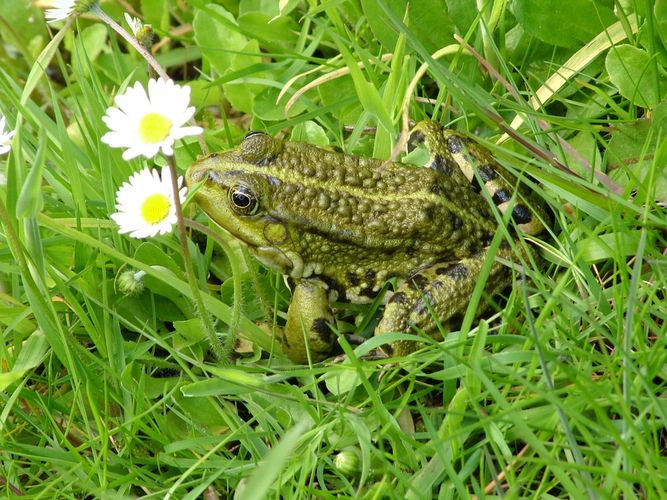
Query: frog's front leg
[[442, 291], [308, 318]]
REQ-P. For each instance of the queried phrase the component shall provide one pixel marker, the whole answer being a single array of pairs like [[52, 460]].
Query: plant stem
[[221, 353], [236, 280], [145, 53]]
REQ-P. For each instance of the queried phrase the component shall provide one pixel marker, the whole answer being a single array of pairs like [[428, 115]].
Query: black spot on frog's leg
[[454, 144], [487, 173], [442, 165], [322, 328], [455, 271], [501, 196], [474, 185], [521, 215], [368, 291], [416, 138], [370, 274], [420, 281], [332, 284], [353, 279], [398, 298]]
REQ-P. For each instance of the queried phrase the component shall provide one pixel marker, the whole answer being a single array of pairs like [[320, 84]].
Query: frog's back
[[376, 205]]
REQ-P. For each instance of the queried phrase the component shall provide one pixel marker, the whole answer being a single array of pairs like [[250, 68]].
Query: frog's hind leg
[[442, 291], [466, 162]]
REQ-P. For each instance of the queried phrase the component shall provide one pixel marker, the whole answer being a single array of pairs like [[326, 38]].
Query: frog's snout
[[202, 172], [195, 174]]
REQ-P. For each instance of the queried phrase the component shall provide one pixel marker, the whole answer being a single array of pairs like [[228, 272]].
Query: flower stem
[[221, 353], [131, 40], [152, 62]]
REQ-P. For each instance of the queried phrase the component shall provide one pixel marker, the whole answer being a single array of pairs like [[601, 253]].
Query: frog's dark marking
[[429, 212], [437, 189], [368, 291], [521, 215], [370, 274], [322, 328], [487, 238], [388, 349], [455, 321], [399, 298], [420, 281], [454, 144], [475, 186], [353, 279], [455, 221], [442, 165], [435, 284], [487, 172], [502, 195], [332, 284], [410, 251], [214, 155], [455, 271], [422, 305], [416, 138]]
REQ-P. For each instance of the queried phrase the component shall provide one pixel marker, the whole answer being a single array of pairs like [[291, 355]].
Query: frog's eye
[[243, 200]]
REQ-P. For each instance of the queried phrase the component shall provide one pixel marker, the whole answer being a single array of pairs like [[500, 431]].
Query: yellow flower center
[[155, 208], [154, 128]]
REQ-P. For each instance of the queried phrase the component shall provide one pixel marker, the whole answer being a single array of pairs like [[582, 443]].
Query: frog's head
[[233, 188]]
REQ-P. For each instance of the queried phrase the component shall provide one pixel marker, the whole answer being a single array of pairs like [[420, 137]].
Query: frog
[[339, 227]]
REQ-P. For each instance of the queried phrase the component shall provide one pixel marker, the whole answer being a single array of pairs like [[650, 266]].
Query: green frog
[[340, 226]]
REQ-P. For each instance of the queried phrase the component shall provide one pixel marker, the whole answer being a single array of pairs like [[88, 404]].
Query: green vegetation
[[108, 385]]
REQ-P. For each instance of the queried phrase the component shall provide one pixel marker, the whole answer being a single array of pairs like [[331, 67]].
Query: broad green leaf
[[32, 354], [217, 37], [637, 77], [94, 39], [429, 20], [568, 23], [633, 153], [609, 246], [242, 93], [310, 132], [156, 13], [280, 31]]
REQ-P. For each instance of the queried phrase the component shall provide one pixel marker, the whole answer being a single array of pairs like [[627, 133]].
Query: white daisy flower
[[134, 23], [60, 10], [147, 123], [145, 203], [5, 137]]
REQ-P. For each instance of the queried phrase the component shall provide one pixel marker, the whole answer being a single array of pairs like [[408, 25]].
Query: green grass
[[560, 391]]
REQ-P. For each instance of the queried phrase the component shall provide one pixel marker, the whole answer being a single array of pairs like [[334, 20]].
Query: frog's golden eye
[[243, 200]]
